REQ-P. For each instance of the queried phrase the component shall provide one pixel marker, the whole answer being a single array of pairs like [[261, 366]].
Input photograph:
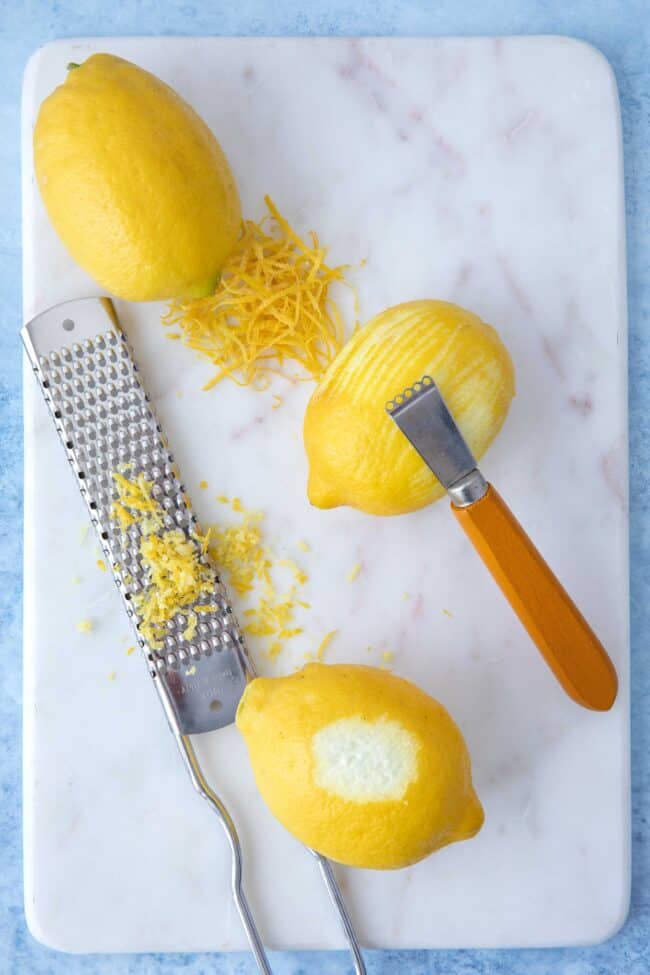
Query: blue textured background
[[622, 32]]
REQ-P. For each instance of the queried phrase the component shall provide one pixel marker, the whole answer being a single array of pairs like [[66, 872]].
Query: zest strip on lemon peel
[[271, 305]]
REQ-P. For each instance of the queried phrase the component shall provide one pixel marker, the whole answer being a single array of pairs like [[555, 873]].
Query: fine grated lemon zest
[[175, 575], [271, 306], [354, 572]]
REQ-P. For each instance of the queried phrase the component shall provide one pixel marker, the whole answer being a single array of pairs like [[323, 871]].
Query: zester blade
[[104, 419], [421, 414]]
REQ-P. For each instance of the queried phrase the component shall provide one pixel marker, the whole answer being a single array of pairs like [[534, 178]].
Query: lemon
[[356, 454], [359, 764], [134, 182]]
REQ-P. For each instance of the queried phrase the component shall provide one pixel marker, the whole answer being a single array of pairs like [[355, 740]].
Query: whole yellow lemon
[[356, 454], [359, 764], [134, 182]]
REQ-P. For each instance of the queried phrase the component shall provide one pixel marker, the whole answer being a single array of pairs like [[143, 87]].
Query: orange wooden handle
[[570, 647]]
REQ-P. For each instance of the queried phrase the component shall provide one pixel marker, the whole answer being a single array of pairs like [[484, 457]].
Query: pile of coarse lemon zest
[[324, 644], [354, 572], [271, 306]]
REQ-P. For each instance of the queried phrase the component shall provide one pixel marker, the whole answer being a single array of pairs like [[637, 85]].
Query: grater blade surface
[[104, 418]]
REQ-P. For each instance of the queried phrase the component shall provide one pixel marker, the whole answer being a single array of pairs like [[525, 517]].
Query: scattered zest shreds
[[177, 580], [324, 644], [85, 626], [249, 567], [271, 306]]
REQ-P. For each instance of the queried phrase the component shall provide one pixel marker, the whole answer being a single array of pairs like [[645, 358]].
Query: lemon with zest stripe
[[356, 454]]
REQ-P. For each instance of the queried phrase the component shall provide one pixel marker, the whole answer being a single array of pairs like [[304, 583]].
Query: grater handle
[[336, 897], [568, 644], [206, 792]]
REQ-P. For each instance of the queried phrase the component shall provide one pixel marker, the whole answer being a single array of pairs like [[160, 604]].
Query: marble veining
[[456, 168]]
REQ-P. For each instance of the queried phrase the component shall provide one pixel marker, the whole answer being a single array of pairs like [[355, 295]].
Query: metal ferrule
[[470, 488]]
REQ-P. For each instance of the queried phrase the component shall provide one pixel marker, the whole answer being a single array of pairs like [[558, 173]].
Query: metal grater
[[105, 420]]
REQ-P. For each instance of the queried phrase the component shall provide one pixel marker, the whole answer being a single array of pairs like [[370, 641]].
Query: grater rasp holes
[[106, 420]]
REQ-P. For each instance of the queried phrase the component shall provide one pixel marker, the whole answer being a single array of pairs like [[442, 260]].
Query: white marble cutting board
[[483, 171]]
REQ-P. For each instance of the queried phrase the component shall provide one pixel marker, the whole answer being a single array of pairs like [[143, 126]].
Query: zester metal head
[[422, 415], [104, 418]]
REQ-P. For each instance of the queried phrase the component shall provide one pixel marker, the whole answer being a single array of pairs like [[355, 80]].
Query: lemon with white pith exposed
[[359, 764]]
